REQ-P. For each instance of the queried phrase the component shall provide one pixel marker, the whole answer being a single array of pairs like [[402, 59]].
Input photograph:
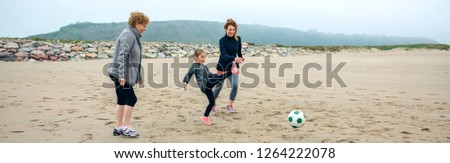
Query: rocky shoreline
[[32, 50]]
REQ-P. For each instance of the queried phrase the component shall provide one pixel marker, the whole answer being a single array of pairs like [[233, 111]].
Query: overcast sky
[[412, 18]]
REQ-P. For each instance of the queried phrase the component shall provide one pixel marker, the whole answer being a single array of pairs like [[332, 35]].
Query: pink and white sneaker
[[205, 120], [231, 109]]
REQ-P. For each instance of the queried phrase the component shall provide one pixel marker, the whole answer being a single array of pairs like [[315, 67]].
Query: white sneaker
[[129, 131]]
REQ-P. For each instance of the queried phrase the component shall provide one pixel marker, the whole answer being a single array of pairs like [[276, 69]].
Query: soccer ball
[[296, 118]]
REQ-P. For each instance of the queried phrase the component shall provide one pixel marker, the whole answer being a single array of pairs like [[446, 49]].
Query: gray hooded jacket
[[126, 61]]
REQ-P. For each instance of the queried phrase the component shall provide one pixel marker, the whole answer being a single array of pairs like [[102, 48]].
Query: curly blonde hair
[[232, 23], [137, 17]]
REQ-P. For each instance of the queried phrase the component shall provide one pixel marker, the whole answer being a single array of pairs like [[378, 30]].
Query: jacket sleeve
[[239, 47], [125, 44], [188, 76]]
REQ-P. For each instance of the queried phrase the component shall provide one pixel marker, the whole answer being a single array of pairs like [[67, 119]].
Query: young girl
[[205, 80]]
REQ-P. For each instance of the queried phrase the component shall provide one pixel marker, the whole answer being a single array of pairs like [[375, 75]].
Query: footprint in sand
[[86, 137], [276, 126], [275, 113], [102, 119], [345, 140], [46, 98], [425, 129], [109, 122], [70, 111], [138, 118], [236, 131], [237, 118], [325, 140]]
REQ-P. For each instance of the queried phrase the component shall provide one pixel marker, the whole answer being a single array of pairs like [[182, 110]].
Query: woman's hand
[[141, 83], [238, 60], [185, 86], [122, 81]]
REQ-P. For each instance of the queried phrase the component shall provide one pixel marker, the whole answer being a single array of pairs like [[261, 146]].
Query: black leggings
[[208, 85], [125, 94]]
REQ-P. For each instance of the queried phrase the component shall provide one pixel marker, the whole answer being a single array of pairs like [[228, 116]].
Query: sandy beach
[[390, 96]]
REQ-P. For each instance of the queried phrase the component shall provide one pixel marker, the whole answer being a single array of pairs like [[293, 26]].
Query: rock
[[71, 54], [49, 53], [151, 50], [166, 52], [264, 54], [11, 50], [160, 48], [57, 46], [63, 57], [77, 48], [66, 49], [173, 48], [102, 56], [108, 44], [53, 58], [56, 51], [44, 48], [21, 56], [182, 52], [149, 55], [28, 45], [38, 55], [80, 56], [85, 46], [91, 55], [92, 50], [24, 50], [11, 45], [161, 55], [102, 49], [110, 53], [6, 56], [252, 53]]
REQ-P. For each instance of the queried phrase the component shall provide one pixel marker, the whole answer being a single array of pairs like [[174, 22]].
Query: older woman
[[230, 51], [125, 71]]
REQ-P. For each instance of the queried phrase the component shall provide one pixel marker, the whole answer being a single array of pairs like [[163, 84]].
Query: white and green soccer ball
[[296, 118]]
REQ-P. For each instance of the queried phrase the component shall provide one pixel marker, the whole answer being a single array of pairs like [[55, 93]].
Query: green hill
[[187, 31]]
